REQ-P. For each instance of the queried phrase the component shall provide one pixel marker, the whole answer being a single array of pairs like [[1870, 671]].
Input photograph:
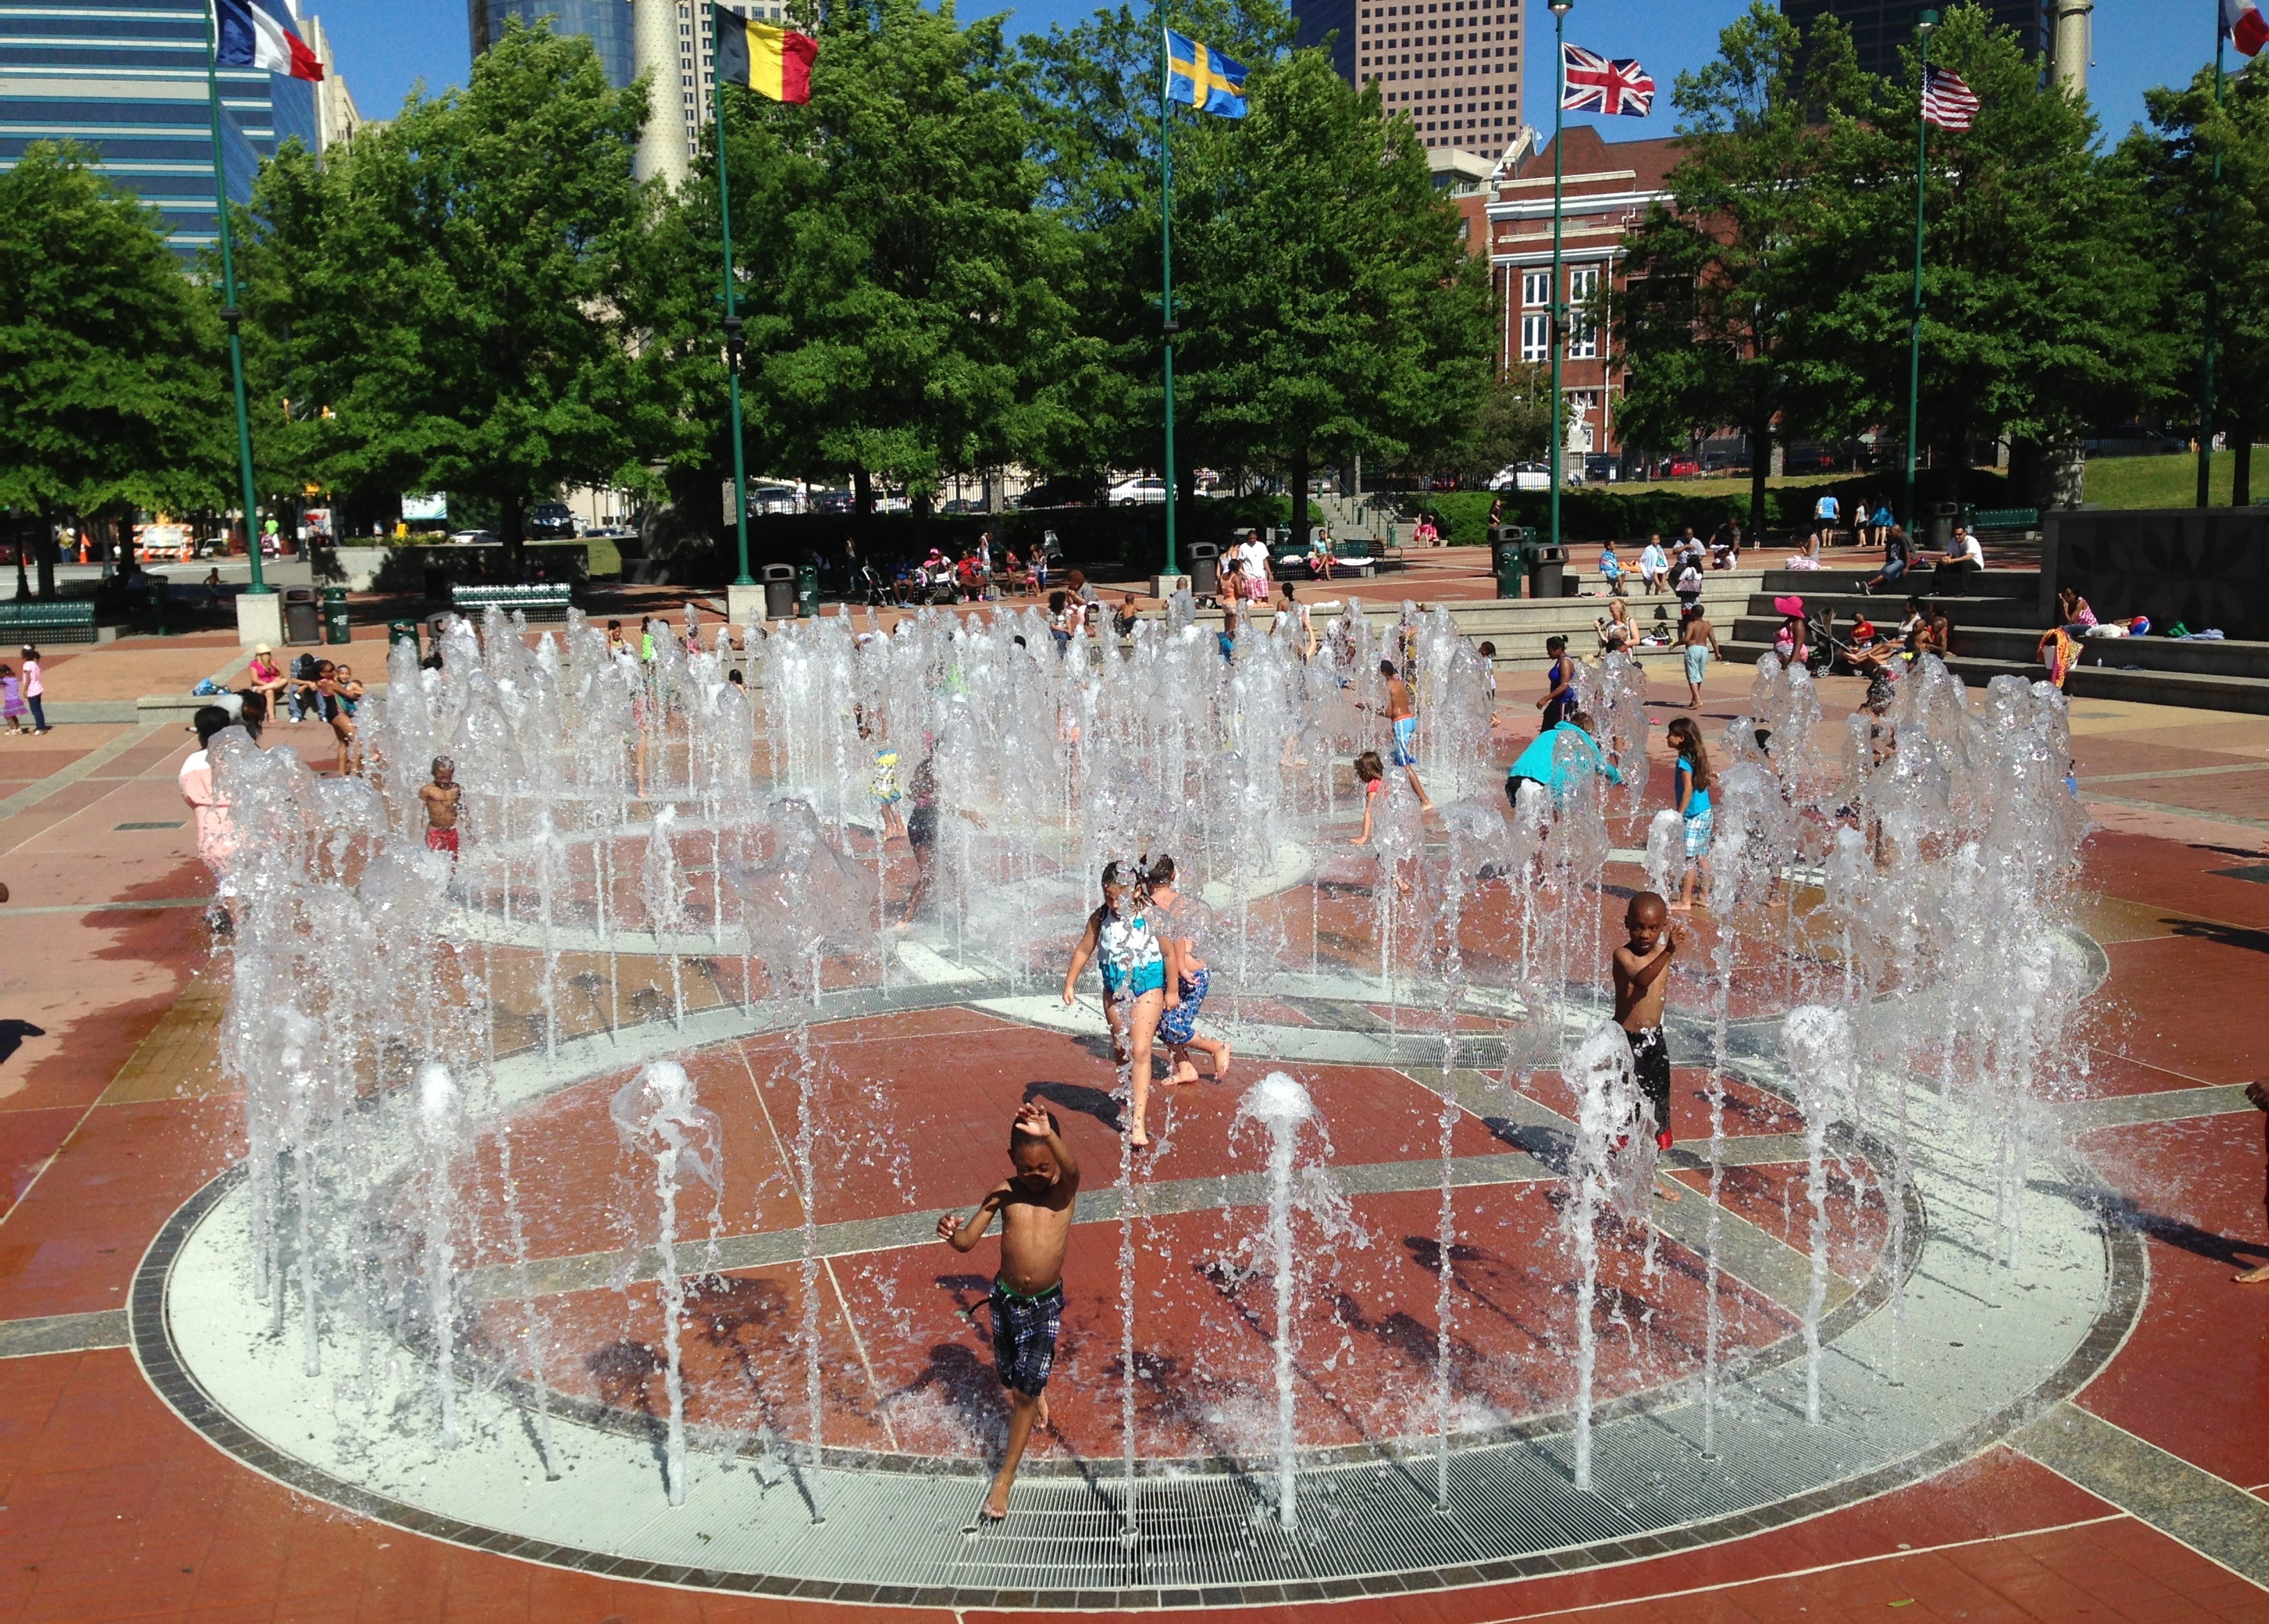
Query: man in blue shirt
[[1555, 757]]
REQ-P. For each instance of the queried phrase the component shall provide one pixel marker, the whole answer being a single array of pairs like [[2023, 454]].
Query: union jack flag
[[1589, 83]]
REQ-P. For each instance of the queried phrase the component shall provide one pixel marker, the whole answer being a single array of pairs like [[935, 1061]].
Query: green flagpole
[[1166, 262], [2213, 246], [735, 345], [229, 312], [1924, 23], [1560, 9]]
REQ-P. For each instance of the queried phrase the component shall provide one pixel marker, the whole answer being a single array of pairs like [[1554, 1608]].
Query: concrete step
[[2196, 690], [1885, 609], [1920, 582], [2227, 658]]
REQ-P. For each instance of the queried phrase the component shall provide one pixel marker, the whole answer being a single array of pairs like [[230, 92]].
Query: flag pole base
[[259, 619], [744, 605]]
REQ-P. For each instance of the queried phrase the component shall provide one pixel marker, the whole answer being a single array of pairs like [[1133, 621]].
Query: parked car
[[962, 505], [1809, 460], [473, 538], [837, 501], [772, 499], [1603, 465], [1522, 477], [1683, 468], [550, 522], [1129, 492]]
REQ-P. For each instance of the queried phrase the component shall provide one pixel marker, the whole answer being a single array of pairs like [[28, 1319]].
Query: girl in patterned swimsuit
[[1127, 951]]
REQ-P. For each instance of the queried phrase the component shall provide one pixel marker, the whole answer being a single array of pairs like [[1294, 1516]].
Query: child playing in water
[[1187, 983], [1036, 1204], [1371, 772], [1126, 951], [1402, 716], [441, 798], [1691, 780], [1639, 967]]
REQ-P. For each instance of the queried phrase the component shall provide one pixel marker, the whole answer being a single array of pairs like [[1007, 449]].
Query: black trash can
[[807, 592], [1547, 570], [401, 631], [303, 617], [335, 627], [1506, 542], [157, 604], [779, 592], [1205, 569], [1943, 515]]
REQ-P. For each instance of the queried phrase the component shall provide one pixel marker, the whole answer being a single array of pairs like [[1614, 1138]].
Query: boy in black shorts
[[1036, 1204], [1641, 967]]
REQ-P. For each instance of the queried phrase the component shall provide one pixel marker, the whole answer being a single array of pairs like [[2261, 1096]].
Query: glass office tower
[[126, 78], [605, 23]]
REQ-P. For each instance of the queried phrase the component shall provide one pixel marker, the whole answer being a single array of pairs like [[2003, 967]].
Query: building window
[[1535, 338], [1583, 337], [1535, 287]]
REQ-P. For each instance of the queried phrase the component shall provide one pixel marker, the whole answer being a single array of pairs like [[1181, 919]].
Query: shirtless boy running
[[1641, 967], [1036, 1204], [441, 798], [1402, 716]]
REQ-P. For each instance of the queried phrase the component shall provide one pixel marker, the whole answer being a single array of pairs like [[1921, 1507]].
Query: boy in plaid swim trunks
[[1036, 1204]]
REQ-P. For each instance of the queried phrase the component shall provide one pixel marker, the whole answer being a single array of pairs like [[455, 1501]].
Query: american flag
[[1947, 101], [1591, 83]]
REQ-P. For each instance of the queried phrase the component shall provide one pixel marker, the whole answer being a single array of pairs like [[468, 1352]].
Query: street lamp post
[[736, 343], [1924, 23], [1559, 308], [1170, 579]]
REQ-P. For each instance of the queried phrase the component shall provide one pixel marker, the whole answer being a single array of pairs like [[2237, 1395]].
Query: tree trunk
[[45, 557], [24, 541], [1300, 497], [1760, 466], [862, 495], [512, 530], [2240, 471]]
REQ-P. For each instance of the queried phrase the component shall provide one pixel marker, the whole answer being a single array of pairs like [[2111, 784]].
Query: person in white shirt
[[1963, 554], [1653, 566]]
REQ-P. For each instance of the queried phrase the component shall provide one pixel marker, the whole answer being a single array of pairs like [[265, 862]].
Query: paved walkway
[[2142, 1499]]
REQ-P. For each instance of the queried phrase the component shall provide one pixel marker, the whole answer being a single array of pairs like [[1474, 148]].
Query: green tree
[[1715, 321], [1510, 423], [110, 391], [1331, 309], [906, 304], [1094, 93], [2036, 289], [461, 289], [2199, 224]]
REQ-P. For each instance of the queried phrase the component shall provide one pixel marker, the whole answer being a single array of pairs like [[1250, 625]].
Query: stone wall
[[2203, 566]]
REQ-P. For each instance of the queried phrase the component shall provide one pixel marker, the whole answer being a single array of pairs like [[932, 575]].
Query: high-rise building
[[683, 60], [1879, 28], [606, 24], [126, 78], [1453, 65]]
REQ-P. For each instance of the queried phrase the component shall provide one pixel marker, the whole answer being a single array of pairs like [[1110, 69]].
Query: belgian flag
[[769, 60]]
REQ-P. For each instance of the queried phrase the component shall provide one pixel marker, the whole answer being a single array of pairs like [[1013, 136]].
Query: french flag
[[254, 37], [2242, 21]]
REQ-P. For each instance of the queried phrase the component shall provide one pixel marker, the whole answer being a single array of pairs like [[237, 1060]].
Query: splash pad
[[651, 1289]]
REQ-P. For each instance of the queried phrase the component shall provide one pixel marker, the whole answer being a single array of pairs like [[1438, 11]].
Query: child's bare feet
[[1682, 907], [1666, 1190], [997, 1504], [2254, 1277], [1221, 1065], [1184, 1072]]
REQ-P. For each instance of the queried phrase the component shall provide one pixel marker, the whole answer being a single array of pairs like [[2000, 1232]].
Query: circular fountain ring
[[752, 1523]]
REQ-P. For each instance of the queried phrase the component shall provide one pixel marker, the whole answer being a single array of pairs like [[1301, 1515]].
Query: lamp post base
[[1164, 587], [259, 618]]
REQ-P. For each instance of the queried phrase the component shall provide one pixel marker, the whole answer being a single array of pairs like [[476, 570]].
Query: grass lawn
[[606, 558], [2167, 481]]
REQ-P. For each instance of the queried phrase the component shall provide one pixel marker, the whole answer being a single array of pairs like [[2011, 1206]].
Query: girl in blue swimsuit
[[1127, 953]]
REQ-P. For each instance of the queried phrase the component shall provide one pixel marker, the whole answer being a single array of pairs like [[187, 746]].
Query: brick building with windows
[[1453, 65], [1607, 190]]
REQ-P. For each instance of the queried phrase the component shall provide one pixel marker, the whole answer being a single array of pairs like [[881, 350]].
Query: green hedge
[[1633, 512]]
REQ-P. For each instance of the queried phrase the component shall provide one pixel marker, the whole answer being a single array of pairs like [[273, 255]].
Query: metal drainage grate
[[173, 823]]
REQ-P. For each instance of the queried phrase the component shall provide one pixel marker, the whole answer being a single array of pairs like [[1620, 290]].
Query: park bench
[[48, 620], [545, 602], [2004, 523], [1353, 555]]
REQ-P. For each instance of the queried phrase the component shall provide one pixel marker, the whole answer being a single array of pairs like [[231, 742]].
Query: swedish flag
[[1204, 78]]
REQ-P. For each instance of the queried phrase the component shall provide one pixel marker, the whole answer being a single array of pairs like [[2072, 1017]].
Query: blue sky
[[386, 46]]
